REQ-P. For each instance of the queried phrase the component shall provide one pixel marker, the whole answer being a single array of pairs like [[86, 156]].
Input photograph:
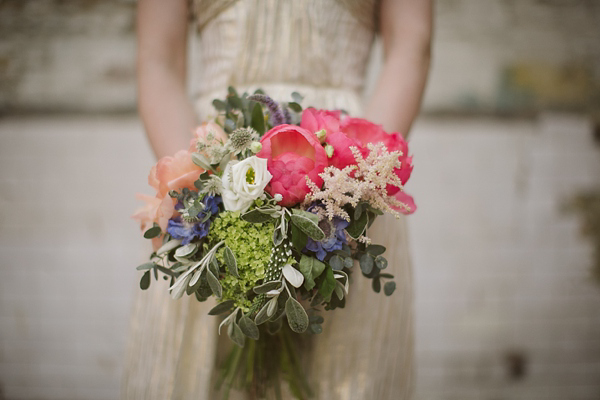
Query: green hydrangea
[[251, 244]]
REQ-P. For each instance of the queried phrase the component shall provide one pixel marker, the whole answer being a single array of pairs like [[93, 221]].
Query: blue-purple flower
[[186, 231], [335, 237]]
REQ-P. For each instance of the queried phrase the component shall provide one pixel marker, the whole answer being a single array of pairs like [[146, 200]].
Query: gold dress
[[320, 49]]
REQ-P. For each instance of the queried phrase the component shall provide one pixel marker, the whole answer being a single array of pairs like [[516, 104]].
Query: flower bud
[[256, 147], [278, 197], [321, 135], [329, 150]]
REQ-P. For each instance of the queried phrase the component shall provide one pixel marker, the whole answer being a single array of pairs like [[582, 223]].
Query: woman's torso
[[319, 48]]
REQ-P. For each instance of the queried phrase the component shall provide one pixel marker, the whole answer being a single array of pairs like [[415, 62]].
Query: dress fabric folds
[[320, 49]]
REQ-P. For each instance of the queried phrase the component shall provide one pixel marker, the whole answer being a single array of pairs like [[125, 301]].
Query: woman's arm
[[163, 104], [406, 28]]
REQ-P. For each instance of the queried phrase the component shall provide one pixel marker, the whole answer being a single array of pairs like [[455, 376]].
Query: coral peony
[[157, 210], [292, 154], [174, 173]]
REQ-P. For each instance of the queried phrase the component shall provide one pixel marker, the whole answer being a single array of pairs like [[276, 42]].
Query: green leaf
[[336, 262], [222, 307], [311, 268], [308, 223], [258, 119], [386, 276], [389, 288], [328, 285], [201, 161], [148, 265], [381, 262], [167, 247], [316, 329], [249, 328], [145, 281], [366, 263], [236, 335], [255, 216], [375, 249], [152, 232], [230, 261], [265, 287], [357, 226], [296, 315], [235, 102], [219, 105], [294, 107], [358, 211], [299, 238], [214, 284], [376, 285], [187, 250]]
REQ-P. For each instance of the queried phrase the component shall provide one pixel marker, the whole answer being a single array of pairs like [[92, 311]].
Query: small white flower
[[243, 182], [278, 197], [256, 147]]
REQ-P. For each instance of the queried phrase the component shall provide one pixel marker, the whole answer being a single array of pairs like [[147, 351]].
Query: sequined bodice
[[317, 47]]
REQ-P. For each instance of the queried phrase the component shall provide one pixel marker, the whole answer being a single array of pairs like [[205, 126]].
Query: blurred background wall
[[506, 304]]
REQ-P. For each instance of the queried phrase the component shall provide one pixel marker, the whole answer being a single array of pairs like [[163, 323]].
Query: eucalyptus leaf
[[297, 97], [214, 284], [366, 263], [148, 265], [296, 315], [381, 262], [219, 105], [336, 262], [389, 288], [311, 268], [230, 261], [316, 329], [249, 328], [152, 232], [375, 249], [294, 107], [348, 262], [222, 307], [267, 287], [167, 247], [145, 281], [376, 285], [308, 223]]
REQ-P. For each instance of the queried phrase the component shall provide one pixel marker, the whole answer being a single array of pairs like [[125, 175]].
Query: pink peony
[[200, 135], [292, 153], [315, 120], [365, 132], [342, 155]]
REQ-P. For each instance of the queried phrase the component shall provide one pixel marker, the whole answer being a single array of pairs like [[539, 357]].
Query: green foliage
[[145, 281], [249, 328], [222, 307], [251, 243], [311, 268], [389, 288], [230, 261], [296, 315], [152, 232], [327, 285], [366, 263], [308, 223]]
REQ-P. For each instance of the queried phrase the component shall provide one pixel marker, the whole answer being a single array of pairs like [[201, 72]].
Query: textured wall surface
[[489, 55], [505, 306]]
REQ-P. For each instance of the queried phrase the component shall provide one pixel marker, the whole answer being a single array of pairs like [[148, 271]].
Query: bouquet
[[268, 212]]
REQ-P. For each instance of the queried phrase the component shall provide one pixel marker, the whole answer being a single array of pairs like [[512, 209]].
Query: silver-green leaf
[[366, 264], [296, 315], [214, 284], [249, 328], [231, 261], [308, 223]]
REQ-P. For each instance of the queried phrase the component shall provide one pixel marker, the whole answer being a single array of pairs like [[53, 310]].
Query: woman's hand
[[406, 29], [167, 114]]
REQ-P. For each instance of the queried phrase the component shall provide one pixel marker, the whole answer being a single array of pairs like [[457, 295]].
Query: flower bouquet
[[268, 211]]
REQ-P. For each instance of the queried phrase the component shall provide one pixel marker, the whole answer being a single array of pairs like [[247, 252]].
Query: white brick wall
[[498, 268]]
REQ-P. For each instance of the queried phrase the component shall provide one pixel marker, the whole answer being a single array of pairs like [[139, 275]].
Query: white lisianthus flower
[[243, 182]]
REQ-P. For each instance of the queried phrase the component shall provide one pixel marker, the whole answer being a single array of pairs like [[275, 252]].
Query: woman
[[319, 48]]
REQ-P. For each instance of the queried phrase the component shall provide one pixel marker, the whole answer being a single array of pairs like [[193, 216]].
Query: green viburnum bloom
[[251, 244]]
